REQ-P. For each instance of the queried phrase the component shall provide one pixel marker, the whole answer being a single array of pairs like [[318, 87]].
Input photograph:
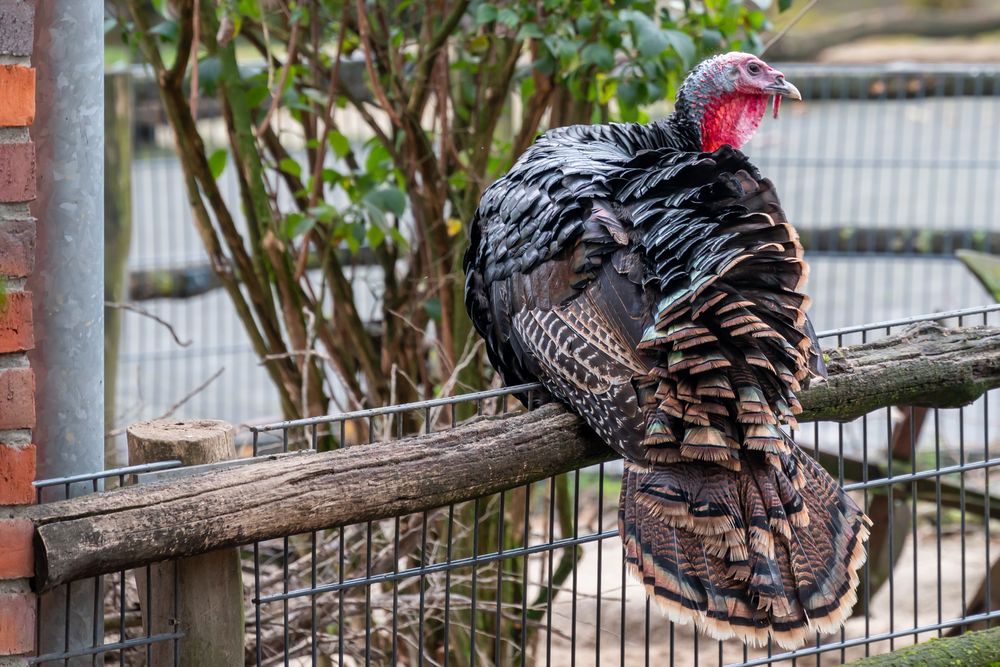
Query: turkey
[[647, 277]]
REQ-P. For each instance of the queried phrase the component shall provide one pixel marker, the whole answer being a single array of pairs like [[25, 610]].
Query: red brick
[[17, 623], [17, 95], [17, 248], [17, 472], [17, 398], [17, 172], [17, 332], [16, 553], [17, 27]]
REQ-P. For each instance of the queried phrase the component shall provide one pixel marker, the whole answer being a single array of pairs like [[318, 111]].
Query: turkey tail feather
[[718, 546]]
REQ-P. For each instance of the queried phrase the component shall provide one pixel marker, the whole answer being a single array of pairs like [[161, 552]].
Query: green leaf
[[250, 8], [433, 309], [599, 55], [256, 95], [458, 180], [629, 93], [485, 13], [167, 30], [683, 45], [339, 143], [209, 71], [217, 162], [331, 175], [527, 87], [389, 200], [649, 39], [398, 238], [290, 166], [378, 161], [530, 31], [784, 5], [375, 236], [296, 224], [508, 17], [479, 44], [323, 213]]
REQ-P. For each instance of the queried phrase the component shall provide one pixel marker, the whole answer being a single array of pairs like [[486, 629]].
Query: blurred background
[[889, 166]]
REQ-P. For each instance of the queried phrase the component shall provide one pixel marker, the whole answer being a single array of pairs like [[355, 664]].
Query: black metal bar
[[107, 648]]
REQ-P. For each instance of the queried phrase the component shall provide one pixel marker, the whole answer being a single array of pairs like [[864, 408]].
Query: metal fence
[[414, 589], [907, 148]]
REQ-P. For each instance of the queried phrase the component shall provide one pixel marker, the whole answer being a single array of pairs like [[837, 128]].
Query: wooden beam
[[927, 365]]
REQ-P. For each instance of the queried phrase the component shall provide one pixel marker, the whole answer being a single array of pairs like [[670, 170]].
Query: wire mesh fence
[[535, 575]]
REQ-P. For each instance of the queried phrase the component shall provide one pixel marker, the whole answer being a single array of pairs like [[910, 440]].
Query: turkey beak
[[783, 88]]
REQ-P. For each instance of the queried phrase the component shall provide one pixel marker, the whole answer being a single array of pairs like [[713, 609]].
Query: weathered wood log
[[209, 587], [974, 648], [927, 365]]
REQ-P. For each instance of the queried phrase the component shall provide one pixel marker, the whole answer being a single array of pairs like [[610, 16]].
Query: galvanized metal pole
[[68, 284]]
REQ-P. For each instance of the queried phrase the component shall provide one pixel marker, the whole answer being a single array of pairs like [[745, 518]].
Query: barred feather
[[656, 290]]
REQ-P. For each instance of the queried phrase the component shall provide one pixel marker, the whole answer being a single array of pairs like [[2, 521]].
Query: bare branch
[[789, 26], [139, 310], [176, 406], [293, 53]]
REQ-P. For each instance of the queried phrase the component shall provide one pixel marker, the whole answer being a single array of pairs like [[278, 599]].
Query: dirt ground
[[903, 607]]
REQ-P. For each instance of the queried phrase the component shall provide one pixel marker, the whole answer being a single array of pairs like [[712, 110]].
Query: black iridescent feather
[[656, 290]]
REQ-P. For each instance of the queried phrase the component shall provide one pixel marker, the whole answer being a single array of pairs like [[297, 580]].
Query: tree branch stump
[[209, 587]]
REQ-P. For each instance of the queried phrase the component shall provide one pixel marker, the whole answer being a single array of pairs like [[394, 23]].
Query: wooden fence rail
[[926, 365]]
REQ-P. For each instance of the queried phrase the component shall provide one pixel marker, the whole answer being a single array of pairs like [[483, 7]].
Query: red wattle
[[731, 120]]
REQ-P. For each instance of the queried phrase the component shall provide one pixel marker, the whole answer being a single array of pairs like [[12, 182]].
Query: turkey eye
[[753, 68]]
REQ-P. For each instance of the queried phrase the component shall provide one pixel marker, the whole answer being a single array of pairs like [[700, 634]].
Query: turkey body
[[655, 289]]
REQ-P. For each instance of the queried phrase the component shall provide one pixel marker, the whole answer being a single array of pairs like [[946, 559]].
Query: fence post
[[118, 113], [209, 588]]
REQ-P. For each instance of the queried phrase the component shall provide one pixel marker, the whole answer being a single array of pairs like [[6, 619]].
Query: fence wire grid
[[545, 558]]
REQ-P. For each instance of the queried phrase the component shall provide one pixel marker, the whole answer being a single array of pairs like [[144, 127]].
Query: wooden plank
[[927, 365]]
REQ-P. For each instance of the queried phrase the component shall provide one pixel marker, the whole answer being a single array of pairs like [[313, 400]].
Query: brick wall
[[17, 382]]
